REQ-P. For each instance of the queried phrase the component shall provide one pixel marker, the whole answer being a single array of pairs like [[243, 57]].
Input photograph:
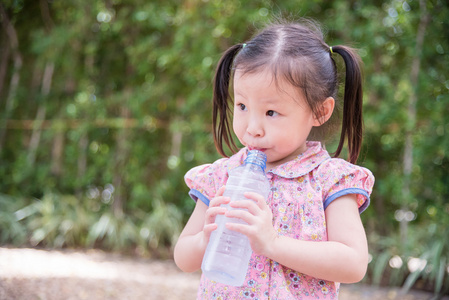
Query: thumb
[[207, 230], [221, 191]]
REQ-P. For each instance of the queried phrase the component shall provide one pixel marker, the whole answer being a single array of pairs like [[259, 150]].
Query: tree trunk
[[177, 132], [122, 154], [5, 52], [15, 78], [82, 163], [411, 116], [46, 86], [56, 153], [41, 112]]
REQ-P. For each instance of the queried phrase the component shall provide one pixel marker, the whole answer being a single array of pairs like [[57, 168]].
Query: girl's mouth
[[256, 148]]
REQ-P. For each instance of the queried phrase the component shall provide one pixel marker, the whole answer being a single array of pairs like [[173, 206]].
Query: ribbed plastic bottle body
[[228, 252]]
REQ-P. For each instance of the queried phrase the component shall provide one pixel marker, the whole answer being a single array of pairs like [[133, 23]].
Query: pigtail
[[221, 107], [352, 124]]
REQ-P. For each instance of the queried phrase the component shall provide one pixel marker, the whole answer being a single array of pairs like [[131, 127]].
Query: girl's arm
[[343, 258], [191, 245]]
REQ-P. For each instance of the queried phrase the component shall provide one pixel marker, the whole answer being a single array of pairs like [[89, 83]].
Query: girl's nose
[[255, 127]]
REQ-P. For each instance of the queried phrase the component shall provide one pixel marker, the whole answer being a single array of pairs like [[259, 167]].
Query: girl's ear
[[325, 111]]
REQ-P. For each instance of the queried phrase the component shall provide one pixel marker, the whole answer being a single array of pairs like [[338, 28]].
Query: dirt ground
[[52, 275]]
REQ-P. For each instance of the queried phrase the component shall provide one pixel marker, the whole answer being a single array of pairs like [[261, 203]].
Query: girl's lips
[[256, 148]]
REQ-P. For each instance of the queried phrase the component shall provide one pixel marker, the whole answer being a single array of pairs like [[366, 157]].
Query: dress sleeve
[[343, 178], [204, 181]]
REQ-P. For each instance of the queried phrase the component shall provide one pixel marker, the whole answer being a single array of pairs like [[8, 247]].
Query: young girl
[[307, 237]]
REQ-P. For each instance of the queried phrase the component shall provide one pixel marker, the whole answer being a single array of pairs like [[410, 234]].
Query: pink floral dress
[[300, 192]]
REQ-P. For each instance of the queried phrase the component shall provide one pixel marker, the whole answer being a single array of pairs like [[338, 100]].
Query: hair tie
[[332, 52]]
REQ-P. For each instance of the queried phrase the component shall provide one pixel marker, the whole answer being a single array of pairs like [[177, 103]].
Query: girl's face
[[270, 117]]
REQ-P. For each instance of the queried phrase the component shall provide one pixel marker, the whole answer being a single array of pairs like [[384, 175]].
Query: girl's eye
[[272, 113], [242, 106]]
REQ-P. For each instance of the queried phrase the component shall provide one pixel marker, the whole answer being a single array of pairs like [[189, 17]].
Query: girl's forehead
[[252, 74], [266, 83], [264, 76]]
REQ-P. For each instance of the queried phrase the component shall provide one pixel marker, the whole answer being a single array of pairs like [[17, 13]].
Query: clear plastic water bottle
[[228, 252]]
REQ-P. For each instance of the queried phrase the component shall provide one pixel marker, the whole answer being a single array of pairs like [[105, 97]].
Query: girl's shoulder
[[220, 166], [208, 178], [338, 177], [339, 167]]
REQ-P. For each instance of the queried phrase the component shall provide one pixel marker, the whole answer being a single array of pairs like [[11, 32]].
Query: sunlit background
[[106, 104]]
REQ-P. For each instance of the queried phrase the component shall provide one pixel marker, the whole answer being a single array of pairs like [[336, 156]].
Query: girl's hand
[[260, 230], [193, 240], [213, 210]]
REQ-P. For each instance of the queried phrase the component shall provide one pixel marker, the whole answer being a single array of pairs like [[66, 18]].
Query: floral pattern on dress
[[301, 189]]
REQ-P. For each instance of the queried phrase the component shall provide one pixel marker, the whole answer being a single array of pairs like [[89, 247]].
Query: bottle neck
[[256, 160]]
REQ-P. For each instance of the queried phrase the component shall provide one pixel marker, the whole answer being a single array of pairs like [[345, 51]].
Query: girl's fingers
[[212, 212], [259, 221], [260, 200], [254, 207], [221, 191], [219, 199], [241, 214], [208, 229], [215, 207], [241, 228], [248, 205]]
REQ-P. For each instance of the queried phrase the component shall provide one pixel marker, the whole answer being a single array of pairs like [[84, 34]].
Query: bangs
[[297, 72]]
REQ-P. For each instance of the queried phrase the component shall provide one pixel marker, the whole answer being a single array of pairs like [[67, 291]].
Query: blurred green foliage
[[106, 104]]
